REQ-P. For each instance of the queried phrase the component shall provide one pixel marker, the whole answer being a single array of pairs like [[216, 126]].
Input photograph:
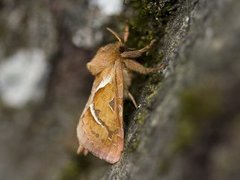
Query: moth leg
[[126, 33], [81, 149], [132, 99], [137, 67], [137, 53], [85, 152]]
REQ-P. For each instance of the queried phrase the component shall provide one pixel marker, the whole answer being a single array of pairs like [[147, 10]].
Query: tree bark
[[188, 124]]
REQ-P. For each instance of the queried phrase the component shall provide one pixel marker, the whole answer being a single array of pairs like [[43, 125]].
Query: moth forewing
[[100, 128]]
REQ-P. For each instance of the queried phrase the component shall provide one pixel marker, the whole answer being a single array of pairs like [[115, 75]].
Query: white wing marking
[[92, 110], [104, 82]]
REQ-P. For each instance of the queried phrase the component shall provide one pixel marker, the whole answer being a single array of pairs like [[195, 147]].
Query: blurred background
[[187, 126], [44, 84]]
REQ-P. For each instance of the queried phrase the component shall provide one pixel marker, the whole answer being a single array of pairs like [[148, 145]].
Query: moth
[[100, 129]]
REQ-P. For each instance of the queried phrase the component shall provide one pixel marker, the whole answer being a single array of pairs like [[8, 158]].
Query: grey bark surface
[[191, 125]]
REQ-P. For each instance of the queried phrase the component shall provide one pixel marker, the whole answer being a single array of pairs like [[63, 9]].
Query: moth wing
[[100, 129]]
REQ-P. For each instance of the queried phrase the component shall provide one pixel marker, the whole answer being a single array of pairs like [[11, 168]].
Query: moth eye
[[122, 48]]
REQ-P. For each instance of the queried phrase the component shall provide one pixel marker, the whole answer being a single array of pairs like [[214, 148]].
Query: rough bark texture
[[187, 126]]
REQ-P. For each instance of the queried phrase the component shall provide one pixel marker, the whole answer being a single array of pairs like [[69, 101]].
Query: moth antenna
[[115, 34], [126, 33]]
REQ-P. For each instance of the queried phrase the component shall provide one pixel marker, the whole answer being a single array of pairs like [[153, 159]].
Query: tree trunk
[[188, 125]]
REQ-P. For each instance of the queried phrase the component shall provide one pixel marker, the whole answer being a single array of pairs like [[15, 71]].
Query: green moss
[[199, 106], [152, 86], [134, 144], [150, 19], [149, 22], [141, 116]]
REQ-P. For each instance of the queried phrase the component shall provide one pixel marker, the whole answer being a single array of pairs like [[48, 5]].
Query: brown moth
[[100, 129]]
